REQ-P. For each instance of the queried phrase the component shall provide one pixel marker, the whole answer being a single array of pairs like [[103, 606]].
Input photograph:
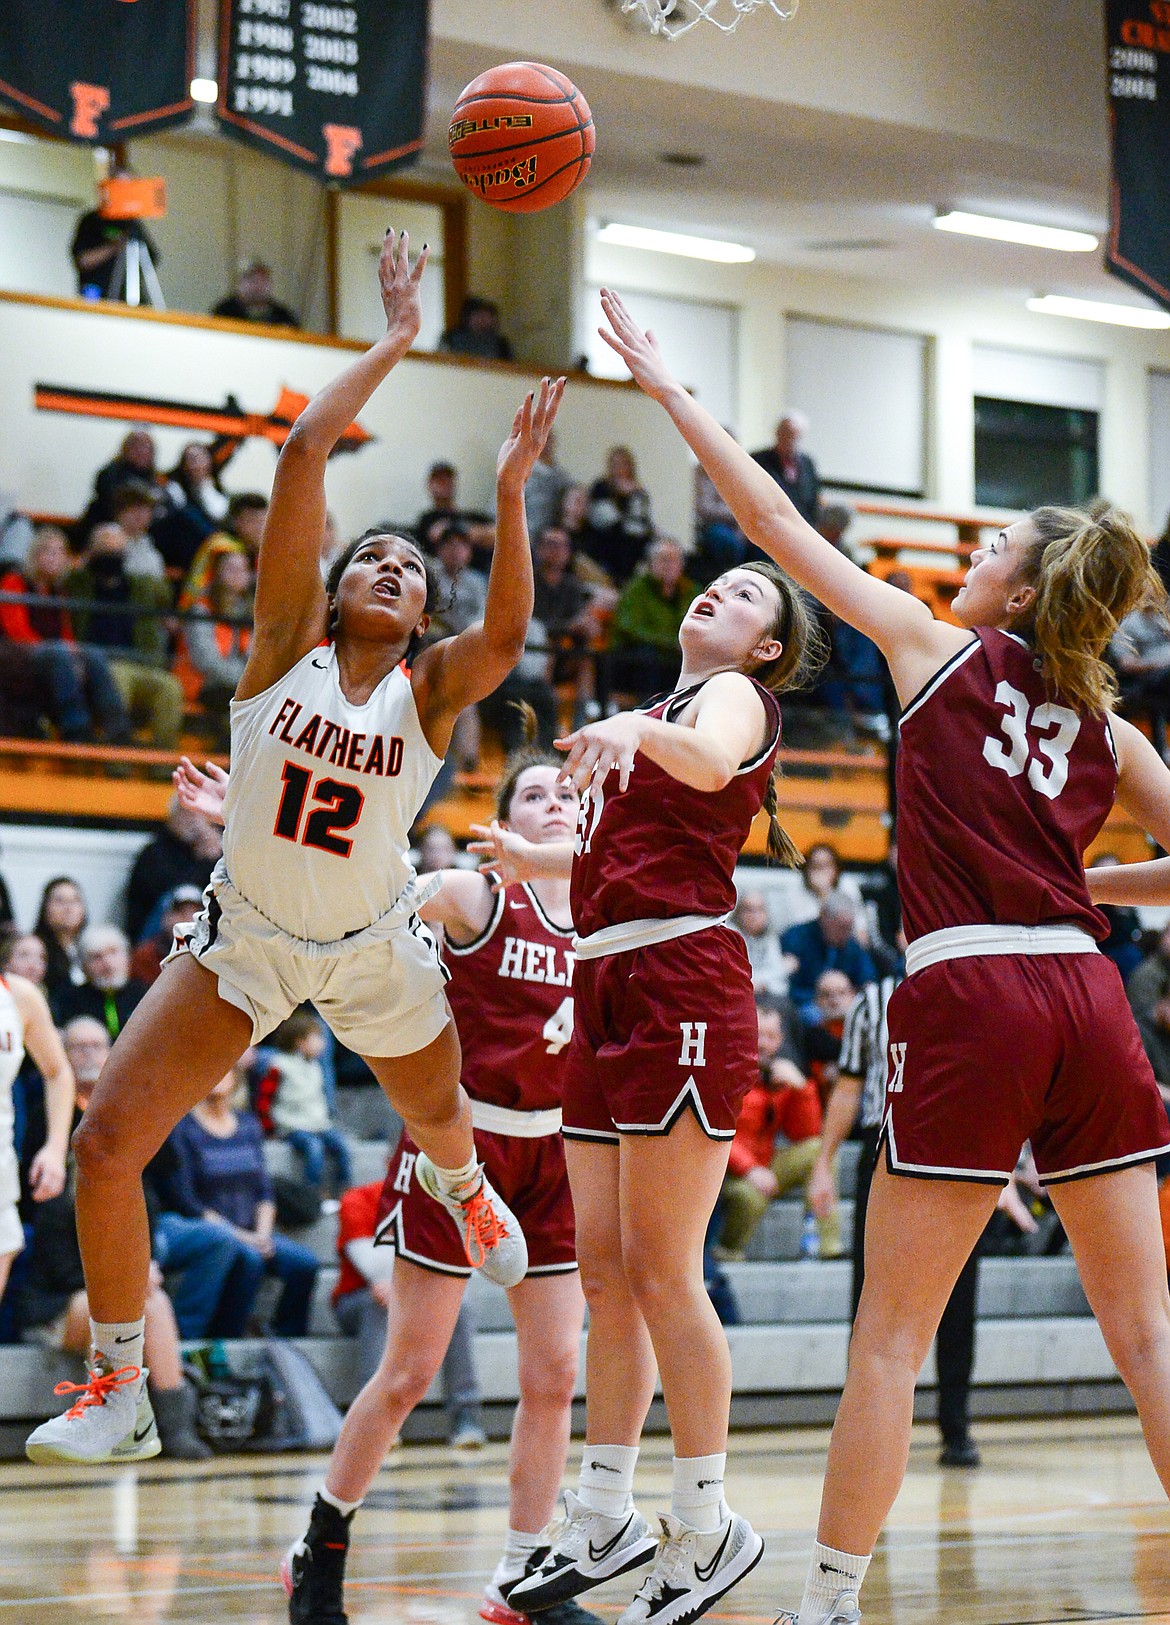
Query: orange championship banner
[[98, 71], [336, 89]]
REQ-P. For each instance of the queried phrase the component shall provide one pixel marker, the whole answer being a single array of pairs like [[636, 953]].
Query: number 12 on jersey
[[340, 808]]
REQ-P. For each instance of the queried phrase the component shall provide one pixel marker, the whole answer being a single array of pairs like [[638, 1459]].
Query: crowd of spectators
[[134, 620]]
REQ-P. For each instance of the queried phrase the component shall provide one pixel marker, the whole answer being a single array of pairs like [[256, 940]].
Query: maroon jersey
[[511, 995], [1000, 790], [659, 848]]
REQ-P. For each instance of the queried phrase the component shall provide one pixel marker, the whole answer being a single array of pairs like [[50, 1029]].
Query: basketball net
[[673, 18]]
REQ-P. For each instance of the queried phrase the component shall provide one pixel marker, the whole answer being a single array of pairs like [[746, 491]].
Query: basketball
[[521, 137]]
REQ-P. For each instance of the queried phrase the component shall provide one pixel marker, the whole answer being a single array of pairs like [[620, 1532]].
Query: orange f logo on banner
[[89, 103], [341, 142]]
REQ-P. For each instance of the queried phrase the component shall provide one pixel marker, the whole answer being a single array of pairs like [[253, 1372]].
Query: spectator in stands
[[545, 490], [436, 850], [241, 533], [791, 467], [477, 332], [719, 543], [180, 906], [136, 460], [220, 1175], [252, 299], [16, 532], [360, 1299], [194, 506], [770, 968], [81, 697], [776, 1142], [443, 489], [833, 524], [1148, 991], [528, 683], [621, 523], [52, 1309], [97, 243], [826, 943], [134, 505], [819, 875], [183, 853], [124, 615], [572, 615], [1140, 652], [218, 642], [109, 993], [292, 1102], [644, 655], [460, 600], [820, 1039], [61, 919], [1123, 945], [878, 888], [574, 521]]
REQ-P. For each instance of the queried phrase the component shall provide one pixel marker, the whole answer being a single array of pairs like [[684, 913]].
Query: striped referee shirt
[[865, 1047]]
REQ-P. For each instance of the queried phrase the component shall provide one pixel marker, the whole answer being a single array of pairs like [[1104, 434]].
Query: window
[[1027, 454]]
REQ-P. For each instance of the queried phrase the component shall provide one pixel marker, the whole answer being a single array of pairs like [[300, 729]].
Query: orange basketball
[[521, 137]]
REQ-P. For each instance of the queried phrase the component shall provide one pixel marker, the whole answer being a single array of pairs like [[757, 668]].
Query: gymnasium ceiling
[[827, 142]]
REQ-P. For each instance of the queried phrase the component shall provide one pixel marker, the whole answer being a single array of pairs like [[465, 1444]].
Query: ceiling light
[[204, 90], [1016, 231], [1091, 310], [673, 242]]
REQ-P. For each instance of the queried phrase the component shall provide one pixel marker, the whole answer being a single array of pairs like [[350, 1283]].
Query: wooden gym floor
[[1065, 1521]]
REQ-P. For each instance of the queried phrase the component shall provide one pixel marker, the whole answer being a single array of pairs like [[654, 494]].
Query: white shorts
[[380, 992], [11, 1232]]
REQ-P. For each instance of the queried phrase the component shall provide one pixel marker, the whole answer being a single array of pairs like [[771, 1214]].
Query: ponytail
[[1090, 569], [781, 847], [527, 755]]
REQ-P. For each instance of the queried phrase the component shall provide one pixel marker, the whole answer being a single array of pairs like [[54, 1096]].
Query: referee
[[859, 1097]]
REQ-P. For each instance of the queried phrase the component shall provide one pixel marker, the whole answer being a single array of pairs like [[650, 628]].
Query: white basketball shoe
[[492, 1237], [585, 1548], [111, 1421], [693, 1570]]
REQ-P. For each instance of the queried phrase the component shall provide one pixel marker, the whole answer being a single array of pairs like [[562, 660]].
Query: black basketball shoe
[[312, 1571]]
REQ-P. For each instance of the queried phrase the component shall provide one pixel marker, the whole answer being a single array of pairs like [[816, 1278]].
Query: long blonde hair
[[1090, 568]]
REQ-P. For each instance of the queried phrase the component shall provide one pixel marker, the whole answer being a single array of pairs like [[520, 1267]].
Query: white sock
[[518, 1548], [696, 1496], [331, 1500], [829, 1573], [453, 1180], [607, 1478], [117, 1343]]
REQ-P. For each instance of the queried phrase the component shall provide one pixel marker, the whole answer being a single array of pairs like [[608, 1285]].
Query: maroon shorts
[[529, 1175], [991, 1051], [659, 1030]]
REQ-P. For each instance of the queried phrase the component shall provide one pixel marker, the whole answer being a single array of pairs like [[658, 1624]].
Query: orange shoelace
[[482, 1228], [95, 1391]]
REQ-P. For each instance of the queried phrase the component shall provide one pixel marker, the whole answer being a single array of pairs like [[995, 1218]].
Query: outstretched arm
[[1143, 789], [461, 670], [290, 596], [901, 626], [462, 905], [512, 859], [725, 726]]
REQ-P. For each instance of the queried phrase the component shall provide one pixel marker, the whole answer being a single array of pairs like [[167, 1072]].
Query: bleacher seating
[[1038, 1347]]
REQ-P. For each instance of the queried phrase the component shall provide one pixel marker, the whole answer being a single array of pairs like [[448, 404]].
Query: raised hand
[[600, 747], [505, 854], [400, 287], [637, 348], [201, 792], [530, 427]]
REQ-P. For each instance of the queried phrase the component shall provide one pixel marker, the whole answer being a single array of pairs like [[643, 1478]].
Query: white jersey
[[11, 1055], [322, 797]]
